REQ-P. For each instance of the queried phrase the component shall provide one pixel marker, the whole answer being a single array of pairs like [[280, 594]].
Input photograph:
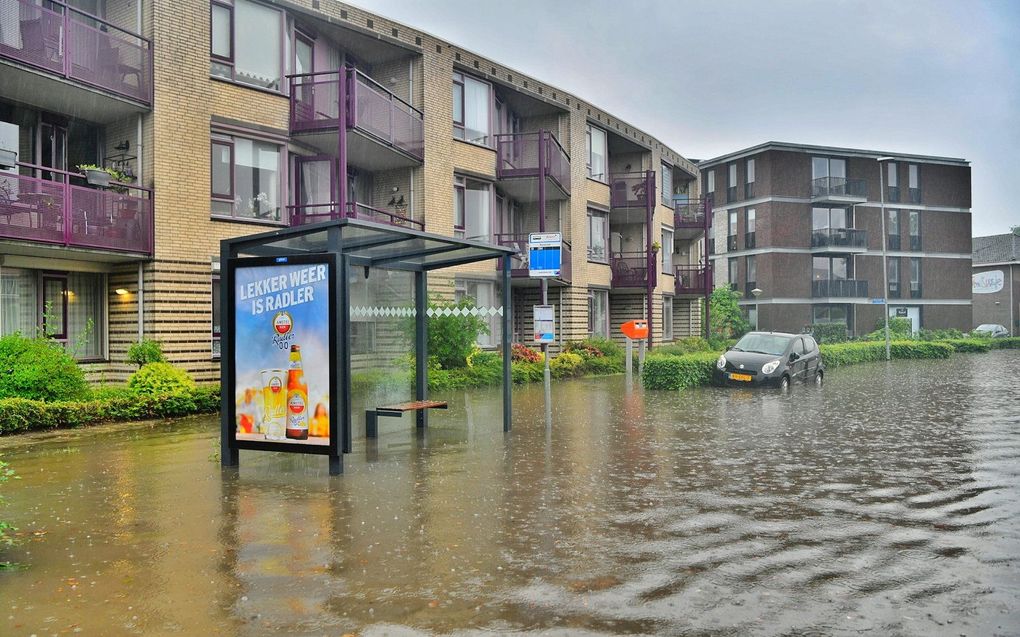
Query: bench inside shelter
[[420, 406]]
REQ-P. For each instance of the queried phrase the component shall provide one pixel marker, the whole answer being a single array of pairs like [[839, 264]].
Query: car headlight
[[721, 363], [769, 367]]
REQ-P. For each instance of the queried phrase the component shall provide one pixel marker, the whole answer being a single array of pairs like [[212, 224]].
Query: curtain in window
[[476, 111], [19, 302], [256, 179], [86, 296], [478, 217], [257, 38]]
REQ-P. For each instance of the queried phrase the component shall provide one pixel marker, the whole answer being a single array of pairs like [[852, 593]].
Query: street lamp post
[[885, 265]]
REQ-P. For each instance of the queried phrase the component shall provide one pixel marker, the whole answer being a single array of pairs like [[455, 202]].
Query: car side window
[[810, 347], [805, 349]]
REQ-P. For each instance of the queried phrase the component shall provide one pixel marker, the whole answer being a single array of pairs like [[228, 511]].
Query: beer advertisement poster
[[282, 363]]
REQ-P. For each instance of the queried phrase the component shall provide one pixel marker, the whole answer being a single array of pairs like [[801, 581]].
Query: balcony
[[838, 190], [383, 131], [839, 240], [524, 158], [58, 213], [691, 218], [519, 262], [632, 190], [633, 269], [839, 288], [62, 41], [692, 280], [314, 213]]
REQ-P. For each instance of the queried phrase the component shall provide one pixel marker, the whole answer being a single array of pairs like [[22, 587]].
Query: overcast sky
[[929, 77]]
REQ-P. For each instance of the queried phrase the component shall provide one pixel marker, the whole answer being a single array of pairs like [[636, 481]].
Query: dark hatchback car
[[771, 358]]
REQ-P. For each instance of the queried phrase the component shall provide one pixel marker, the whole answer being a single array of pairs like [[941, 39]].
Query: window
[[732, 267], [598, 235], [829, 314], [828, 167], [892, 170], [749, 185], [596, 142], [472, 102], [61, 304], [711, 183], [216, 317], [893, 276], [829, 268], [246, 43], [598, 313], [749, 236], [667, 185], [474, 209], [752, 316], [913, 183], [245, 178], [731, 237], [667, 251], [750, 276], [915, 278], [731, 184], [892, 229], [914, 220], [483, 294], [667, 318]]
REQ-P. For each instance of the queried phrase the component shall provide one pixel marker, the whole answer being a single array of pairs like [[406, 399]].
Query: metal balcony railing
[[841, 288], [61, 39], [839, 238], [315, 104], [519, 262], [633, 269], [520, 155], [632, 190], [839, 187], [314, 213], [689, 213], [692, 279], [56, 211]]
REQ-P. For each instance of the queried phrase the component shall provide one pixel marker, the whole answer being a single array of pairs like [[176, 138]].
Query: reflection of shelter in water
[[370, 318]]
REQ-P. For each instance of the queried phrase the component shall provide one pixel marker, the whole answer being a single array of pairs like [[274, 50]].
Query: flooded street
[[885, 503]]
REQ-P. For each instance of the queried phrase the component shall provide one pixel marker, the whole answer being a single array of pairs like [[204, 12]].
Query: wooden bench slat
[[416, 405]]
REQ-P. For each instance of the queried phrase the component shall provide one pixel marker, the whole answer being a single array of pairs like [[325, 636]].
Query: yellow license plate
[[744, 377]]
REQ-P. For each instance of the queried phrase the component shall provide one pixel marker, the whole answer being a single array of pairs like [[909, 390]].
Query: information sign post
[[545, 259]]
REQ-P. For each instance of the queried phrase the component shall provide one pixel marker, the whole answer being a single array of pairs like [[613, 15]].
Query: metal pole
[[546, 373], [507, 371], [630, 361], [652, 257], [341, 149], [885, 265], [421, 353], [228, 455]]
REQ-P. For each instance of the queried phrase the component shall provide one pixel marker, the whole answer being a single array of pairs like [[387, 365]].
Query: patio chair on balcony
[[41, 38]]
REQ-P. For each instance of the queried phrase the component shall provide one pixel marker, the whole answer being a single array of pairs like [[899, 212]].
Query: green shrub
[[160, 379], [524, 372], [38, 369], [145, 351], [920, 349], [829, 332], [452, 338], [1011, 342], [679, 372], [839, 354], [593, 344], [939, 335], [727, 320], [107, 392], [899, 329], [969, 344], [523, 353], [688, 345], [603, 365], [566, 365]]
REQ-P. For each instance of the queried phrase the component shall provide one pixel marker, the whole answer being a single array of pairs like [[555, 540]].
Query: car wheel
[[819, 378], [784, 384]]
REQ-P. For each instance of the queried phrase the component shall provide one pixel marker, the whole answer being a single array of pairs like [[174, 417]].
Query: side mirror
[[793, 356]]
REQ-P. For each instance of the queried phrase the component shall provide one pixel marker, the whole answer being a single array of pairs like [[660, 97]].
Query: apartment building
[[996, 280], [224, 118], [799, 232]]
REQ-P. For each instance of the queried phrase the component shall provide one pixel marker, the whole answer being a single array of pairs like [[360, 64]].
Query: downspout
[[141, 301], [709, 283], [651, 260]]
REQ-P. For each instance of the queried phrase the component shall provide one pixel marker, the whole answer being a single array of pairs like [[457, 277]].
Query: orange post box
[[636, 330]]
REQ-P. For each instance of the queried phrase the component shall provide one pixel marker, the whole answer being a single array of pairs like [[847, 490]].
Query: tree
[[726, 318]]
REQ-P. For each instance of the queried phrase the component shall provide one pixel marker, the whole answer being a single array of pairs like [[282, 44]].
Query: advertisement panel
[[284, 357]]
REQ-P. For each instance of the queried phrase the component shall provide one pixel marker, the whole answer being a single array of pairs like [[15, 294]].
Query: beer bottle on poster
[[297, 397]]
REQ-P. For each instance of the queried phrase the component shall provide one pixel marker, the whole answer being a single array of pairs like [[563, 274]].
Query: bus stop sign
[[545, 254]]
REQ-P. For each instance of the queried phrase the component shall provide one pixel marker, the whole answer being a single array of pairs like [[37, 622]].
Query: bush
[[969, 344], [899, 329], [38, 369], [566, 365], [1012, 342], [684, 346], [145, 351], [939, 335], [594, 347], [727, 319], [603, 365], [525, 372], [839, 354], [160, 379], [523, 353], [452, 337], [678, 372], [830, 332]]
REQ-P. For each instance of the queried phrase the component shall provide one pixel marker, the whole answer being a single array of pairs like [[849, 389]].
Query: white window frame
[[667, 318], [598, 297], [602, 218], [590, 143], [666, 248], [460, 128]]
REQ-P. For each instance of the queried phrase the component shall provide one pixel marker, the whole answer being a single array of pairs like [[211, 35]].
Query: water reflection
[[886, 502]]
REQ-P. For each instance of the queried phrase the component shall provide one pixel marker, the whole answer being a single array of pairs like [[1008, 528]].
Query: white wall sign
[[987, 282]]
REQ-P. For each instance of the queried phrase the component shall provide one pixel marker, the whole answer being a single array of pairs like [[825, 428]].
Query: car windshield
[[763, 344]]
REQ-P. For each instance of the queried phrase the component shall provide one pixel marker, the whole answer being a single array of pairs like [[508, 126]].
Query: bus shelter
[[286, 321]]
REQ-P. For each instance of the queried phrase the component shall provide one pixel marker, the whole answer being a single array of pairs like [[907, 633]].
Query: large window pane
[[258, 39], [458, 107], [667, 184], [257, 179], [837, 168], [820, 268], [819, 167], [839, 268], [596, 153], [819, 218], [667, 251], [221, 168], [19, 301], [85, 306], [667, 318], [476, 111], [598, 232], [221, 32], [477, 210], [598, 313]]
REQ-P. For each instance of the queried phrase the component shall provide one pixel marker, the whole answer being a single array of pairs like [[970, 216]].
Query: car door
[[798, 367], [812, 358]]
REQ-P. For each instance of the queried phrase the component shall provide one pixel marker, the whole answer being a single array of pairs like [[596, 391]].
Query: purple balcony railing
[[314, 213], [632, 190], [519, 155], [315, 104], [60, 213], [61, 40], [692, 279], [689, 214], [519, 262], [633, 269]]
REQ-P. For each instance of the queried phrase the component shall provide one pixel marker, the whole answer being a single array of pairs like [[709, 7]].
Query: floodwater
[[885, 503]]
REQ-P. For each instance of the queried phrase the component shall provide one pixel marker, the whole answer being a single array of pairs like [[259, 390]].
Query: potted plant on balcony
[[100, 177]]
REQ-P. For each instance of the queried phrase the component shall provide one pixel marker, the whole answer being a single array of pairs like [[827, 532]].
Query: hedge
[[665, 371], [1013, 342], [22, 414]]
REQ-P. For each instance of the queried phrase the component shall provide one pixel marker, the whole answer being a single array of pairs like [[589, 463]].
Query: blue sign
[[878, 301], [545, 254]]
